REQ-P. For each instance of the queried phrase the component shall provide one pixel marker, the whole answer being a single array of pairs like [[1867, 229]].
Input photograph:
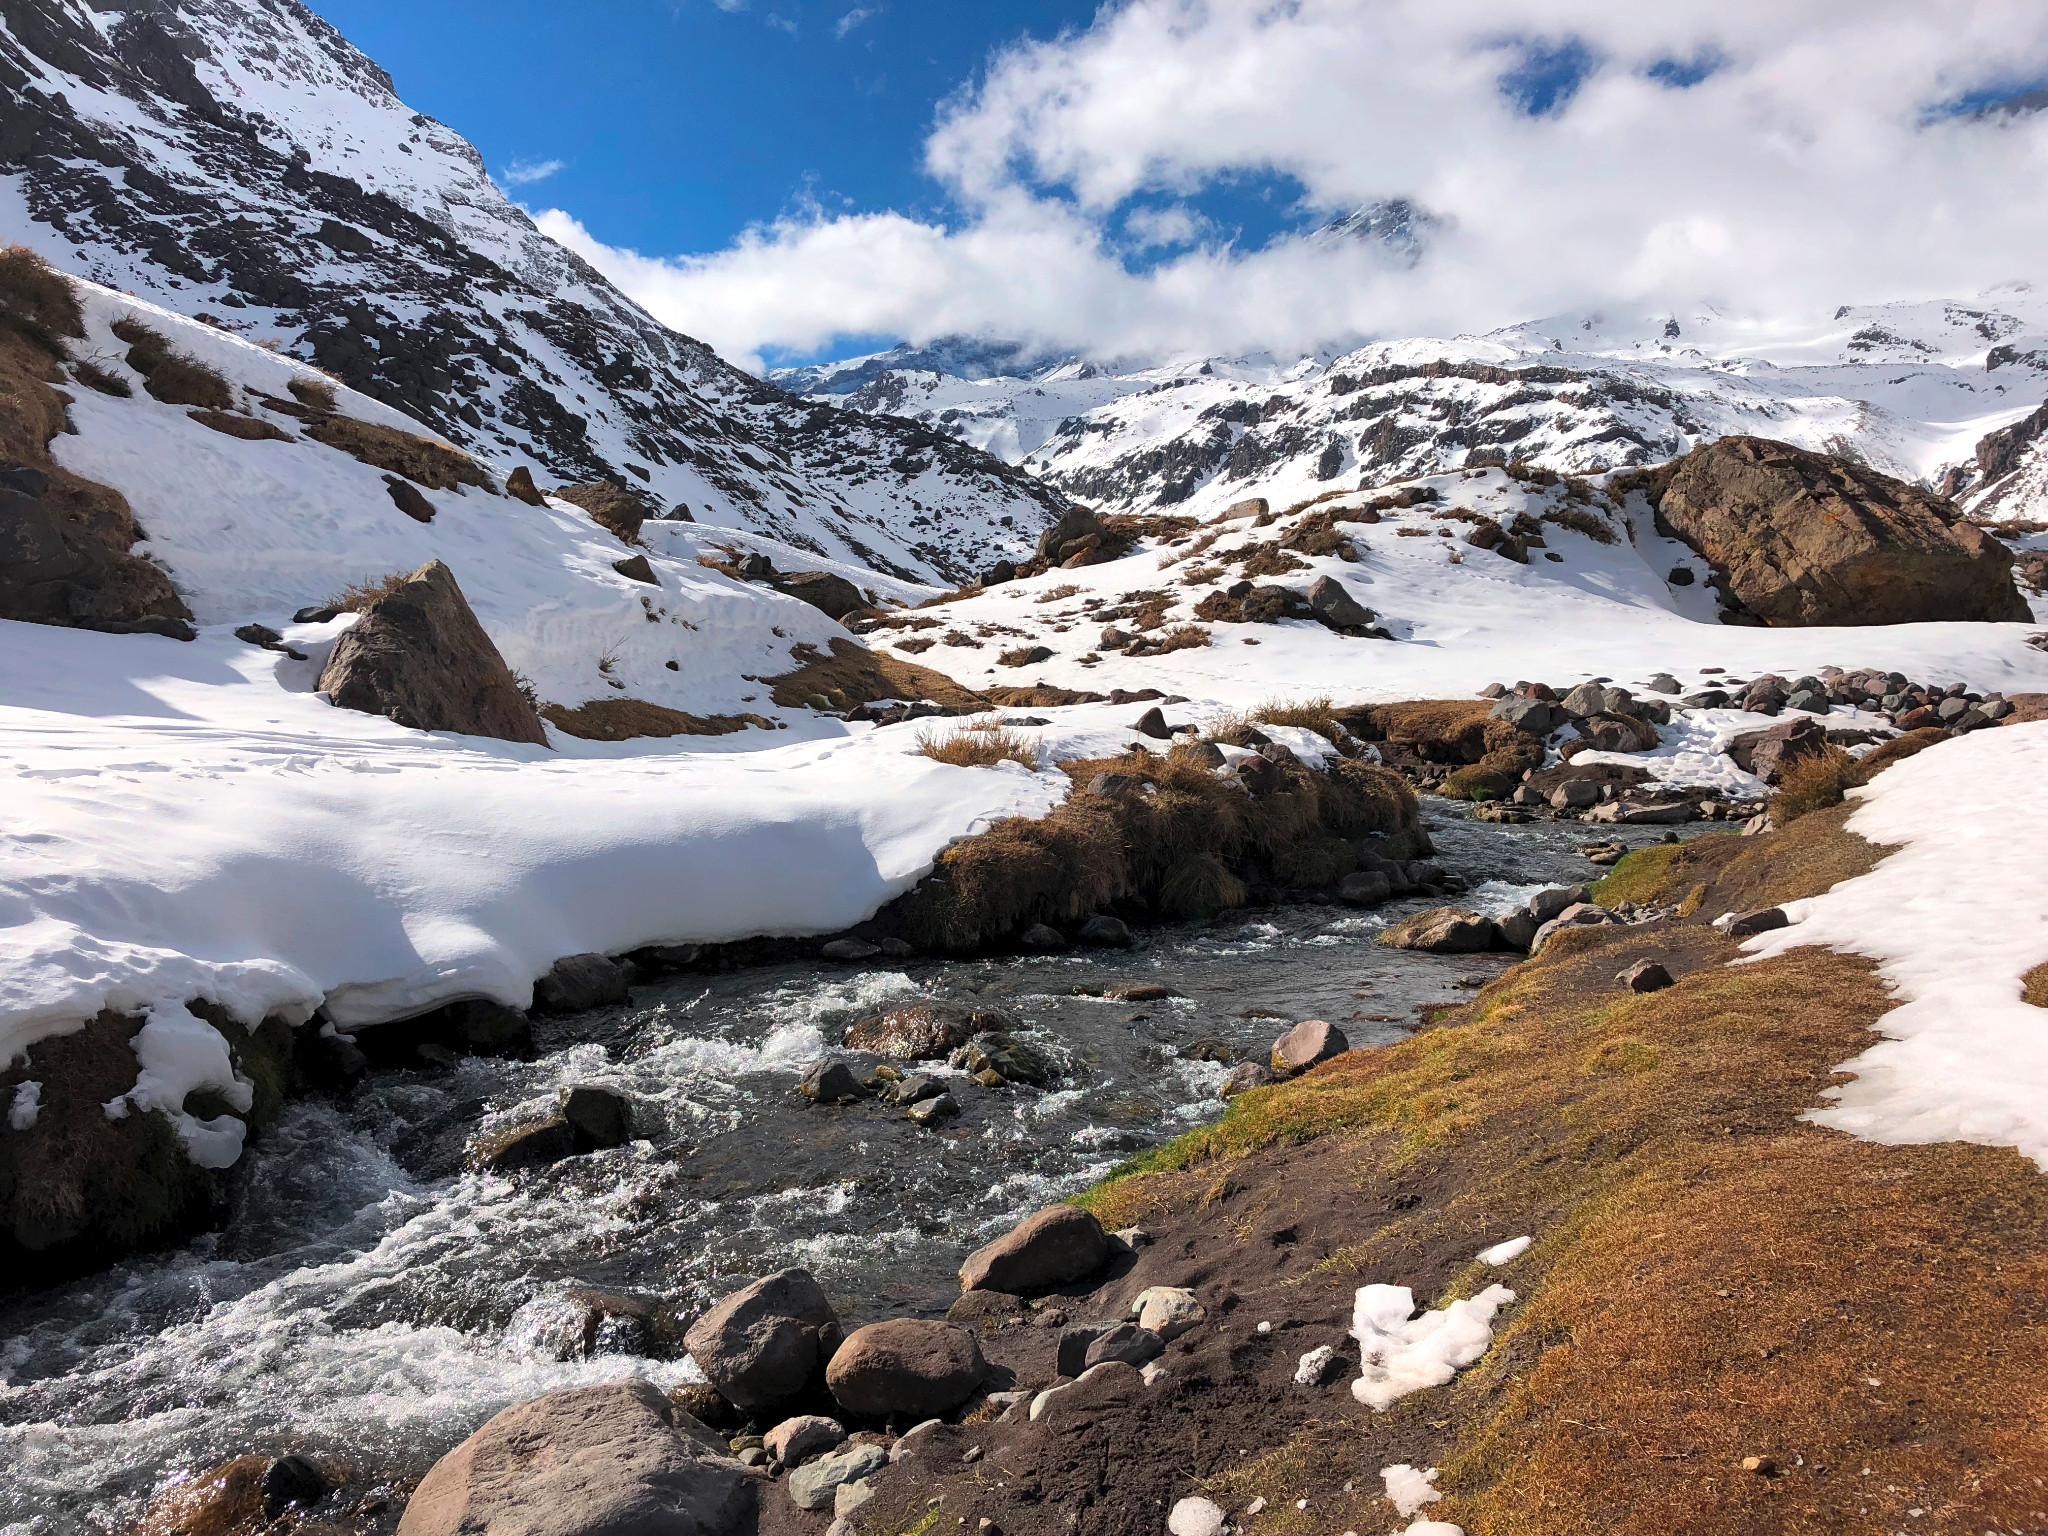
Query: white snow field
[[1955, 916]]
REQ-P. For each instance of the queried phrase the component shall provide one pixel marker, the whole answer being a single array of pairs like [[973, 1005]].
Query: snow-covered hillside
[[1910, 388], [238, 159]]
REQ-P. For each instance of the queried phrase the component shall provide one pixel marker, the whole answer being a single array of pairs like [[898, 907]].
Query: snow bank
[[1400, 1354], [1954, 916]]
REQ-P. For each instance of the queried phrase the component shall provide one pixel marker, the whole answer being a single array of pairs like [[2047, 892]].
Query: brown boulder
[[612, 507], [908, 1367], [1798, 538], [419, 657], [918, 1031], [1306, 1045], [833, 596], [1768, 753], [1442, 931], [519, 485], [615, 1459], [1053, 1247]]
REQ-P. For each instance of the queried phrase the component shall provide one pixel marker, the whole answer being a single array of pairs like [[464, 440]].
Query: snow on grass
[[1401, 1353], [1409, 1488], [1954, 917], [1505, 1253]]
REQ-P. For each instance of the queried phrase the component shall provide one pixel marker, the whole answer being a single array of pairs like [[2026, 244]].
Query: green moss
[[1642, 876]]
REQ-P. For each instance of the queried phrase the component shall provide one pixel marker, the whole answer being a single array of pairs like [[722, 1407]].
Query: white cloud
[[781, 23], [524, 173], [1148, 228], [851, 19], [1813, 165]]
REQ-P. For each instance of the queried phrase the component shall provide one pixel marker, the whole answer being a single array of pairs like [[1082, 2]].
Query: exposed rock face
[[419, 657], [908, 1366], [1053, 1247], [1797, 538], [763, 1345], [615, 509], [833, 596], [613, 1460]]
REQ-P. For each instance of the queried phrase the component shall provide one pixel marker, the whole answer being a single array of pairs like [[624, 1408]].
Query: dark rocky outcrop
[[419, 657], [1798, 538], [615, 1459], [615, 509]]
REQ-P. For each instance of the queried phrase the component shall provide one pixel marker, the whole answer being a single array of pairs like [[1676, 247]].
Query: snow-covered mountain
[[238, 159], [1911, 388]]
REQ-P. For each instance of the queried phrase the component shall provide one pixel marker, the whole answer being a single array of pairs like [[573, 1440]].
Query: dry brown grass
[[629, 719], [1714, 1278], [1182, 637], [37, 301], [1897, 750], [1194, 846], [1318, 714], [978, 744], [1271, 560], [316, 395], [436, 465], [1056, 594], [168, 374], [357, 596], [249, 429], [1813, 784], [93, 376], [861, 676], [1579, 520], [2034, 986]]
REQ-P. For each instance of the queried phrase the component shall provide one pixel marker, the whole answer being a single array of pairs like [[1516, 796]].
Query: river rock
[[1537, 717], [1799, 538], [849, 951], [1306, 1045], [795, 1441], [419, 657], [1128, 1342], [576, 982], [828, 1081], [918, 1031], [289, 1481], [1009, 1059], [1366, 888], [1545, 905], [1053, 1247], [613, 1459], [765, 1344], [597, 1117], [1775, 750], [816, 1484], [1245, 1075], [1645, 976], [935, 1110], [917, 1368], [1442, 931], [1042, 936], [1168, 1310], [1104, 932], [1584, 914], [1517, 930]]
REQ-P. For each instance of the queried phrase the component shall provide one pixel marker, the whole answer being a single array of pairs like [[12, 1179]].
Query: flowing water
[[371, 1302]]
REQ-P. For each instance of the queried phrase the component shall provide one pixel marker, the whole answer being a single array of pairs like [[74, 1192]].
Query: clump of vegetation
[[1813, 784], [37, 301], [316, 395], [1318, 714], [1182, 637], [437, 466], [1579, 520], [170, 375], [629, 719], [978, 744], [1192, 845], [357, 596], [1271, 560], [93, 376], [1056, 594]]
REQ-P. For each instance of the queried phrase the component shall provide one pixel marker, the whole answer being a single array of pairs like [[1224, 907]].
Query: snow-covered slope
[[237, 158], [1911, 388]]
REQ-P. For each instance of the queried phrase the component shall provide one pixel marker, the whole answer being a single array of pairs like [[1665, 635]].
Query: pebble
[[1265, 1327]]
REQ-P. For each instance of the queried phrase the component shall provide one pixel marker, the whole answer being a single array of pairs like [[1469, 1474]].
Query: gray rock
[[1308, 1044], [1583, 915], [577, 982], [1574, 795], [597, 1117], [1442, 931], [916, 1368], [849, 1497], [1517, 929], [1663, 682], [1645, 976], [1127, 1342], [828, 1081], [1367, 888], [1650, 813], [850, 951], [1153, 724], [765, 1344], [1105, 933], [1169, 1311], [1545, 905], [795, 1441], [915, 1089], [1334, 606], [1042, 936], [1048, 1249], [816, 1484], [616, 1459], [832, 595], [1536, 716], [1000, 572], [1116, 786], [935, 1111], [1072, 1358], [1245, 1075], [1811, 701], [1763, 920]]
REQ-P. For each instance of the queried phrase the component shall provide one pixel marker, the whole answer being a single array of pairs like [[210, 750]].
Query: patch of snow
[[1954, 915], [1309, 1372], [179, 1053], [1195, 1517], [1403, 1354], [1409, 1489], [1507, 1252], [28, 1099]]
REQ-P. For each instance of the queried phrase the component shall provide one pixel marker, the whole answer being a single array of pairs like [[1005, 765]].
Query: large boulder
[[1054, 1247], [833, 596], [617, 510], [1075, 524], [1332, 604], [577, 982], [1308, 1044], [616, 1460], [918, 1031], [1799, 538], [419, 657], [1768, 753], [1442, 931], [64, 558], [908, 1367], [764, 1345]]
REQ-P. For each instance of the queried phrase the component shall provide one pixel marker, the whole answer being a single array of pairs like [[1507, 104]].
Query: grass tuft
[[1813, 784], [38, 301], [978, 744]]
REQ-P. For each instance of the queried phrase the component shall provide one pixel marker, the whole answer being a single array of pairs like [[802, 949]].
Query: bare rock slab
[[907, 1367]]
